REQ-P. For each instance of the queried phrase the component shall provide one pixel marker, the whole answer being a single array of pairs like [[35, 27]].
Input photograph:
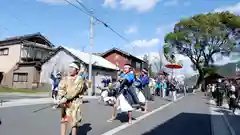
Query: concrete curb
[[36, 101], [26, 95]]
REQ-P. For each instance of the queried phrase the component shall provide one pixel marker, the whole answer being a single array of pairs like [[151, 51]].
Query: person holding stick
[[71, 88]]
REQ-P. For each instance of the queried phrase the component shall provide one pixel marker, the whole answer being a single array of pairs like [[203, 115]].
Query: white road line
[[229, 125], [126, 125], [213, 111]]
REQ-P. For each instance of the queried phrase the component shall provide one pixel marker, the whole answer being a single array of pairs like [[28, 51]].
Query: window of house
[[138, 65], [20, 77], [25, 52], [4, 51]]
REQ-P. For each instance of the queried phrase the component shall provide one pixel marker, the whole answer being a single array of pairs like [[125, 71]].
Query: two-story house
[[19, 57], [119, 58]]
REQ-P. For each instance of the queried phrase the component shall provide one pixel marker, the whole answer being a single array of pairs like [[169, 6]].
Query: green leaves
[[197, 46], [168, 54], [201, 36]]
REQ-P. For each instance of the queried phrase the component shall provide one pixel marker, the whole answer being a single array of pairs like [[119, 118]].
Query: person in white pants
[[164, 87]]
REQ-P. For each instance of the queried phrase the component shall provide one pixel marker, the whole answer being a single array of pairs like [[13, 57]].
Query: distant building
[[62, 57], [119, 58], [19, 57]]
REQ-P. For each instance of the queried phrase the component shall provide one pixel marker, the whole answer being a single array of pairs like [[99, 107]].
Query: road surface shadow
[[84, 129], [224, 110], [123, 117], [184, 124], [85, 101]]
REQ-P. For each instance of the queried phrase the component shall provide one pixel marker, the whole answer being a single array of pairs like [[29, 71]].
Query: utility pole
[[90, 93]]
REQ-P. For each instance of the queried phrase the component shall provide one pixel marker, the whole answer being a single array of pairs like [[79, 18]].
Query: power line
[[70, 3], [89, 13], [80, 3]]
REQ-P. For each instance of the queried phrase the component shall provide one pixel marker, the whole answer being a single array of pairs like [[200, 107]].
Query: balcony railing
[[29, 53]]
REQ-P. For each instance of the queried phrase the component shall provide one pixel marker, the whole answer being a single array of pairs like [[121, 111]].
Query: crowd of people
[[225, 91], [126, 93]]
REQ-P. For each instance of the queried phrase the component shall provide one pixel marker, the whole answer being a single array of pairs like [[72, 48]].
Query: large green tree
[[201, 37]]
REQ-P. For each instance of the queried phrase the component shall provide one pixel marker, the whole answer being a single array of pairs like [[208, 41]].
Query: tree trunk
[[200, 79]]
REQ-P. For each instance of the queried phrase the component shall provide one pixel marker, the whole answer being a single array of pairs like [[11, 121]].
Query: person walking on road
[[55, 82], [145, 81], [71, 88], [126, 96], [220, 89]]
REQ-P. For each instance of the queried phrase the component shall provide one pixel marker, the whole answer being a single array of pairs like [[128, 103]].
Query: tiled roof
[[25, 37], [96, 60], [120, 51], [84, 57]]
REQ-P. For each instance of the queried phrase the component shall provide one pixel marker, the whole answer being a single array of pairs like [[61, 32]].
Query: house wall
[[121, 60], [117, 59], [9, 67], [9, 63], [61, 63], [32, 77], [98, 76]]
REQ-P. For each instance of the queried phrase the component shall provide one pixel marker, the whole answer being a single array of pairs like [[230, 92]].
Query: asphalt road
[[234, 121], [188, 116]]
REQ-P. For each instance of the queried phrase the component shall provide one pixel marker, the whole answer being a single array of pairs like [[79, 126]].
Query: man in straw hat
[[71, 88]]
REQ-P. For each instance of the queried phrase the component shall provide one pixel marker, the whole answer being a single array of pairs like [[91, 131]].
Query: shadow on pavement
[[184, 124], [85, 101], [84, 129], [123, 117], [224, 110]]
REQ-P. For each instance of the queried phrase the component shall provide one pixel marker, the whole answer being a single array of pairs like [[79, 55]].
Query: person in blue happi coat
[[145, 82], [128, 79], [55, 82]]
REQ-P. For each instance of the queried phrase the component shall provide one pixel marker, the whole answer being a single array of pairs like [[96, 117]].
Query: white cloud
[[110, 3], [55, 2], [131, 30], [145, 43], [139, 5], [171, 3], [222, 60], [162, 30], [233, 8]]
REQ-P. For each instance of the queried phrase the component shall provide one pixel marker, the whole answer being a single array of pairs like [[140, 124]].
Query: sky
[[143, 22]]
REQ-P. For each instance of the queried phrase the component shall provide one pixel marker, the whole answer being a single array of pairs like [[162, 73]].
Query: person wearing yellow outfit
[[71, 88]]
